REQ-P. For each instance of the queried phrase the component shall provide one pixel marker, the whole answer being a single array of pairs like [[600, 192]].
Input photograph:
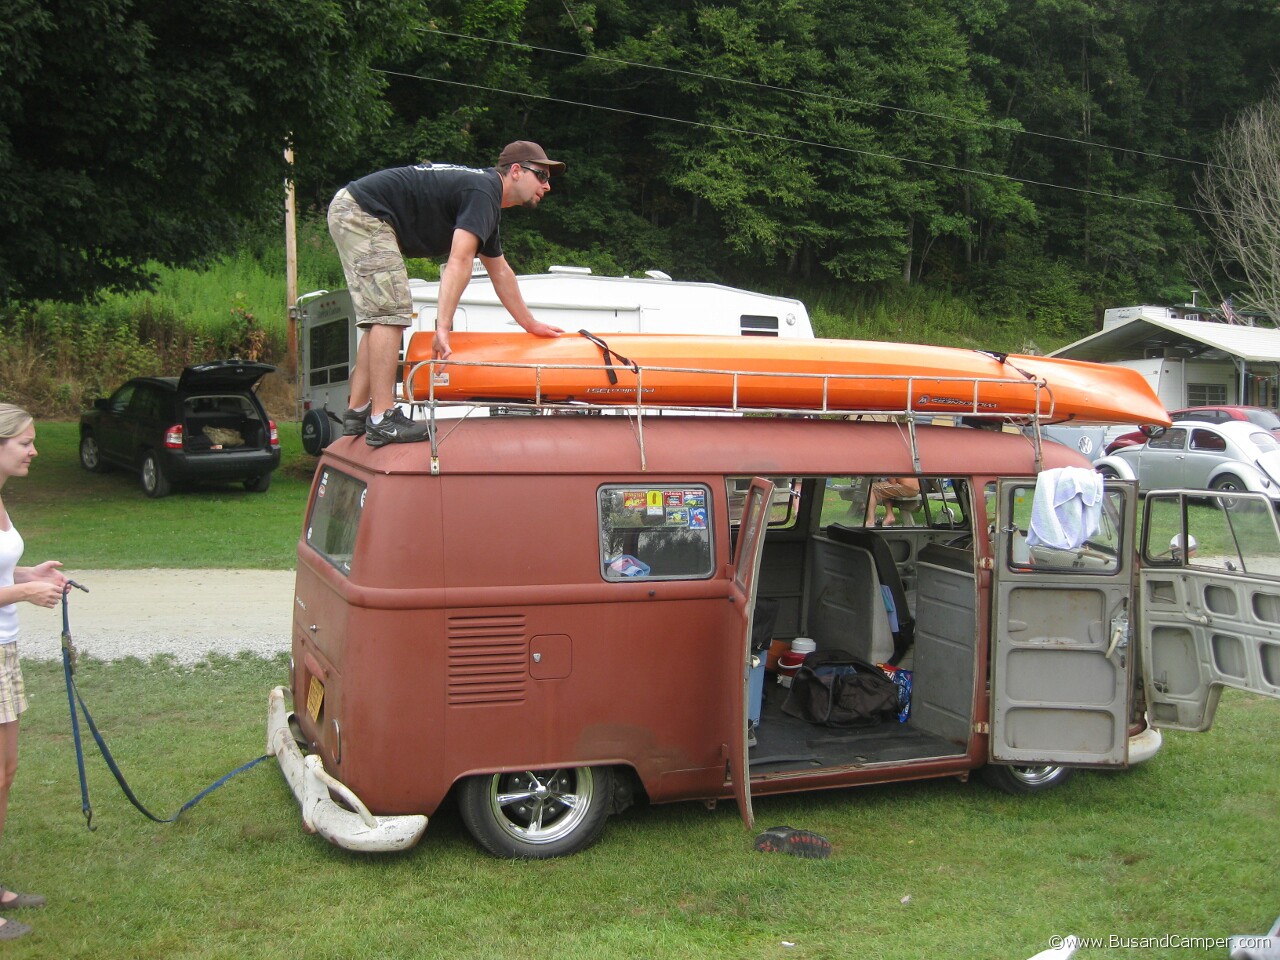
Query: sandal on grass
[[20, 901], [13, 929], [798, 843]]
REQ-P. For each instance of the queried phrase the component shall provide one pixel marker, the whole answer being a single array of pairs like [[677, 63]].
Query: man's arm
[[508, 291], [453, 280]]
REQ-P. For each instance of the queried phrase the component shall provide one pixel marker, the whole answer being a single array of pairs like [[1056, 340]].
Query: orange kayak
[[623, 369]]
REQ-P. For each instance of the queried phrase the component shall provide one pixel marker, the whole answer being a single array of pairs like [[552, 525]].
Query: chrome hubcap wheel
[[541, 806], [1035, 776]]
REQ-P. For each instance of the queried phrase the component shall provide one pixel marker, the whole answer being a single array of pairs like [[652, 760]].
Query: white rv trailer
[[572, 298]]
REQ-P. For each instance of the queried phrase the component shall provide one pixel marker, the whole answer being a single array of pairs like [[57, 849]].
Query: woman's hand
[[44, 593]]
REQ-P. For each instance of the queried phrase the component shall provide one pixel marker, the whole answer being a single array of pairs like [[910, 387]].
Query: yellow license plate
[[315, 699]]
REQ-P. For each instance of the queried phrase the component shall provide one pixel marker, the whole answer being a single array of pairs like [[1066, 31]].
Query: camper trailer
[[569, 297]]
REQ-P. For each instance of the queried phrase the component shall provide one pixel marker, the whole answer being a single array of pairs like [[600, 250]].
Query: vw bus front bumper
[[351, 826]]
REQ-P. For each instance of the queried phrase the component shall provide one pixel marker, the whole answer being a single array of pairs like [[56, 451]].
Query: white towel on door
[[1066, 508]]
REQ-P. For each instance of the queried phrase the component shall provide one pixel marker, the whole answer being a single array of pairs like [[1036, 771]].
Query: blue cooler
[[755, 688], [763, 621]]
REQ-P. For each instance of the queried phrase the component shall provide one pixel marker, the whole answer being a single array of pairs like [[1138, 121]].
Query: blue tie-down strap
[[74, 699]]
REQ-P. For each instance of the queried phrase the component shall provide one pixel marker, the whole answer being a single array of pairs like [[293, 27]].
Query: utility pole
[[291, 264]]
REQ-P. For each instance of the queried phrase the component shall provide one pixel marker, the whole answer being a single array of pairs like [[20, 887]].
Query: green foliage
[[55, 358], [132, 133], [1016, 155]]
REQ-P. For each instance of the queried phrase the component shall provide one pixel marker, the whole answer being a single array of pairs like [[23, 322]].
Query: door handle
[[1119, 637]]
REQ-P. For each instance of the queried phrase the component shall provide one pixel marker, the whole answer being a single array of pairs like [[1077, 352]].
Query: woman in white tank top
[[43, 585]]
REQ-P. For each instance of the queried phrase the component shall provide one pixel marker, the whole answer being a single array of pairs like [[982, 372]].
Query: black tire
[[537, 814], [154, 482], [91, 455], [318, 431], [1228, 483], [1109, 473], [1024, 780], [258, 484]]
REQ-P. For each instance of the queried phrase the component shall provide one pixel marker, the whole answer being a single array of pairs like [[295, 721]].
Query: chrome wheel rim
[[1036, 776], [541, 806]]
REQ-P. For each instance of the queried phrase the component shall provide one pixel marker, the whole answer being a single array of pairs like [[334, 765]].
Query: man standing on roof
[[428, 210]]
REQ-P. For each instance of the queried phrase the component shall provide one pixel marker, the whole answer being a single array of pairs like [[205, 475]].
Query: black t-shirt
[[425, 204]]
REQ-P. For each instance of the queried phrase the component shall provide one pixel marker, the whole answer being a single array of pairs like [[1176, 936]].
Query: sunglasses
[[542, 175]]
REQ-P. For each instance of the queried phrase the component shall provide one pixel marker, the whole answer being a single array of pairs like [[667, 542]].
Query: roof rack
[[1040, 392]]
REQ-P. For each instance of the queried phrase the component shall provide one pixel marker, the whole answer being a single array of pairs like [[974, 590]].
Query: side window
[[1175, 438], [657, 532], [335, 518], [933, 502], [144, 404], [782, 507], [121, 398], [1207, 441], [1230, 534], [1098, 553], [328, 344], [756, 325]]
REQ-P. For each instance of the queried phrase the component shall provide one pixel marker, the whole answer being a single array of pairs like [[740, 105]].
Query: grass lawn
[[105, 521], [1183, 846]]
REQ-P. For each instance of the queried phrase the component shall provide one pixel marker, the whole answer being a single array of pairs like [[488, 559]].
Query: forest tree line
[[1039, 155]]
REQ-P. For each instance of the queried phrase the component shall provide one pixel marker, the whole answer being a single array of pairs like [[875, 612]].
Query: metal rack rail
[[1040, 404]]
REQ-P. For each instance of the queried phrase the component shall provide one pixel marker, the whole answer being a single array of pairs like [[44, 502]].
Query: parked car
[[1264, 417], [205, 425], [1199, 455]]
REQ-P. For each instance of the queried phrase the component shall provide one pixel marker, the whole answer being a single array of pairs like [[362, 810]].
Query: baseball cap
[[526, 151]]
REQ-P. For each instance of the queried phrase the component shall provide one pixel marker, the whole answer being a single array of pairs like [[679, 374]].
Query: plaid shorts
[[372, 262], [13, 692]]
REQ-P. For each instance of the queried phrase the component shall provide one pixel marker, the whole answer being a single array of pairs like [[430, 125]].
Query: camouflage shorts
[[13, 693], [372, 262]]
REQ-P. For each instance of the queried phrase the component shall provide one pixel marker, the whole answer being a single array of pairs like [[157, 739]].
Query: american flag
[[1229, 312]]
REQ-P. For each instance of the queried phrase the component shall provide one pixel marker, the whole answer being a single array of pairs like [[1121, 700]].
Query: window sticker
[[662, 532]]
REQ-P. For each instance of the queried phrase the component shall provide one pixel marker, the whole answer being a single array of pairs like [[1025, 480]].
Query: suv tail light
[[173, 437], [275, 434]]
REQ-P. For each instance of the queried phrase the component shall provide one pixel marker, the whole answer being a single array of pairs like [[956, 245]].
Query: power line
[[796, 140], [986, 124]]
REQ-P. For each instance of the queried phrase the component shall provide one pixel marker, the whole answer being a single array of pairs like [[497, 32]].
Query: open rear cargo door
[[1211, 614]]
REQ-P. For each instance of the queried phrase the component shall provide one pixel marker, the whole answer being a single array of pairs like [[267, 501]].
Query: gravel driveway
[[188, 613]]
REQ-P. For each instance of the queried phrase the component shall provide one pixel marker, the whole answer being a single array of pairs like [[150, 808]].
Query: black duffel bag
[[836, 689]]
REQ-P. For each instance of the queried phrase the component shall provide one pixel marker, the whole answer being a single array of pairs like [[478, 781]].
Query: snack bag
[[902, 678]]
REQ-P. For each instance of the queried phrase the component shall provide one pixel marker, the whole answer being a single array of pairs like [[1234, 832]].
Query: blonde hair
[[13, 420]]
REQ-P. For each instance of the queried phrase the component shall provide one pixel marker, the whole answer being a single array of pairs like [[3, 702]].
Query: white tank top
[[11, 547]]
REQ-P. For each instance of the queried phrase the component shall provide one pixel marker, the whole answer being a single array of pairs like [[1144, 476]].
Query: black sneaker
[[353, 421], [395, 427]]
